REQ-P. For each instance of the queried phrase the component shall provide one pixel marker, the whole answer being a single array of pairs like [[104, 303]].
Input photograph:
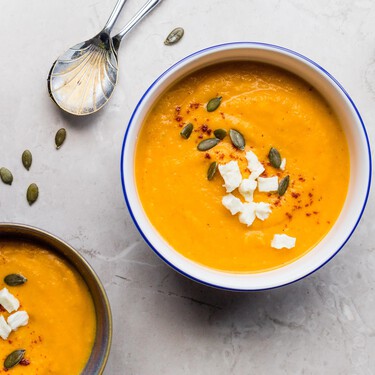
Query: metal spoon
[[82, 80]]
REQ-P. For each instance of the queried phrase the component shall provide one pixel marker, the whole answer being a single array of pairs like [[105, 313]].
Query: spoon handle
[[148, 7], [114, 15]]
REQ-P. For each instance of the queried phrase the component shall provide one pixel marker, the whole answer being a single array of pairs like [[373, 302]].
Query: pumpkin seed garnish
[[237, 139], [14, 358], [220, 133], [211, 171], [174, 36], [14, 279], [27, 159], [6, 176], [186, 131], [32, 193], [283, 185], [207, 144], [213, 104], [60, 137], [275, 157]]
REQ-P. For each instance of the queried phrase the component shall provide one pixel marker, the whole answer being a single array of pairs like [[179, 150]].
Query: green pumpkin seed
[[14, 279], [275, 157], [237, 139], [207, 144], [186, 131], [32, 193], [14, 358], [27, 159], [220, 133], [213, 104], [211, 171], [283, 185], [174, 36], [6, 176], [60, 137]]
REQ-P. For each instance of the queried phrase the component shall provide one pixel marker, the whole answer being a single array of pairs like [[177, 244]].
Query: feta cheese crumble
[[232, 203], [282, 240], [255, 166], [231, 175], [8, 301], [247, 215], [262, 210], [283, 164], [267, 184], [247, 188], [5, 330], [18, 319]]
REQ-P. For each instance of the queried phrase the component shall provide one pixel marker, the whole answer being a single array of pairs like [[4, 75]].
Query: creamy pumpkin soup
[[47, 314], [242, 167]]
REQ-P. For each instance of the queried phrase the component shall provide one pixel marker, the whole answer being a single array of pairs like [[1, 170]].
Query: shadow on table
[[205, 306]]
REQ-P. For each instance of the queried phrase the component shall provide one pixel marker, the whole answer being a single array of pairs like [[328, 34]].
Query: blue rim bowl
[[360, 165]]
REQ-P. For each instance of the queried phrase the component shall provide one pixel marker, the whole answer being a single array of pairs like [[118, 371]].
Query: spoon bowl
[[81, 81]]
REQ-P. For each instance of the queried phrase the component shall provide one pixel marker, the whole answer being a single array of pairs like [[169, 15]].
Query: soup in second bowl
[[46, 311]]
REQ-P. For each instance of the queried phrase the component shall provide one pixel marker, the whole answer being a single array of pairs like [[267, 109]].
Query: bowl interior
[[360, 164], [100, 351]]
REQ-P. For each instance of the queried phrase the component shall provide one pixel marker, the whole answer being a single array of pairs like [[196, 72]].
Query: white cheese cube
[[247, 215], [262, 210], [267, 184], [247, 188], [231, 175], [18, 319], [283, 164], [255, 166], [8, 301], [5, 330], [282, 240], [232, 203]]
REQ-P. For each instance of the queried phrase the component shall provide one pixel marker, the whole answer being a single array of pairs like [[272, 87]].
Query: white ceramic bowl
[[360, 164]]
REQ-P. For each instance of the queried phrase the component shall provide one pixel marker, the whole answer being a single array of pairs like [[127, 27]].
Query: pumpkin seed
[[14, 358], [237, 139], [283, 185], [60, 137], [27, 159], [186, 131], [275, 157], [220, 133], [211, 171], [32, 193], [14, 279], [213, 104], [207, 144], [174, 36], [6, 176]]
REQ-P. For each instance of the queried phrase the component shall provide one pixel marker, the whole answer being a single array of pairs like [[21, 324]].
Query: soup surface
[[271, 108], [61, 330]]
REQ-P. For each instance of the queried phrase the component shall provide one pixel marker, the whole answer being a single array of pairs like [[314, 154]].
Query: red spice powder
[[2, 308], [24, 362], [207, 155], [194, 105], [295, 195]]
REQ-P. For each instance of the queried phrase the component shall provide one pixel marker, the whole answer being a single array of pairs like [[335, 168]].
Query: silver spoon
[[82, 80]]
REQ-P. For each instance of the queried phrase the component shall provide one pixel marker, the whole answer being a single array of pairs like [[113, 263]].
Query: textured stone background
[[164, 323]]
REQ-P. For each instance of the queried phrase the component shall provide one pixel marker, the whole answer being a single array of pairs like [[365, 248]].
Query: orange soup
[[271, 108], [60, 333]]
